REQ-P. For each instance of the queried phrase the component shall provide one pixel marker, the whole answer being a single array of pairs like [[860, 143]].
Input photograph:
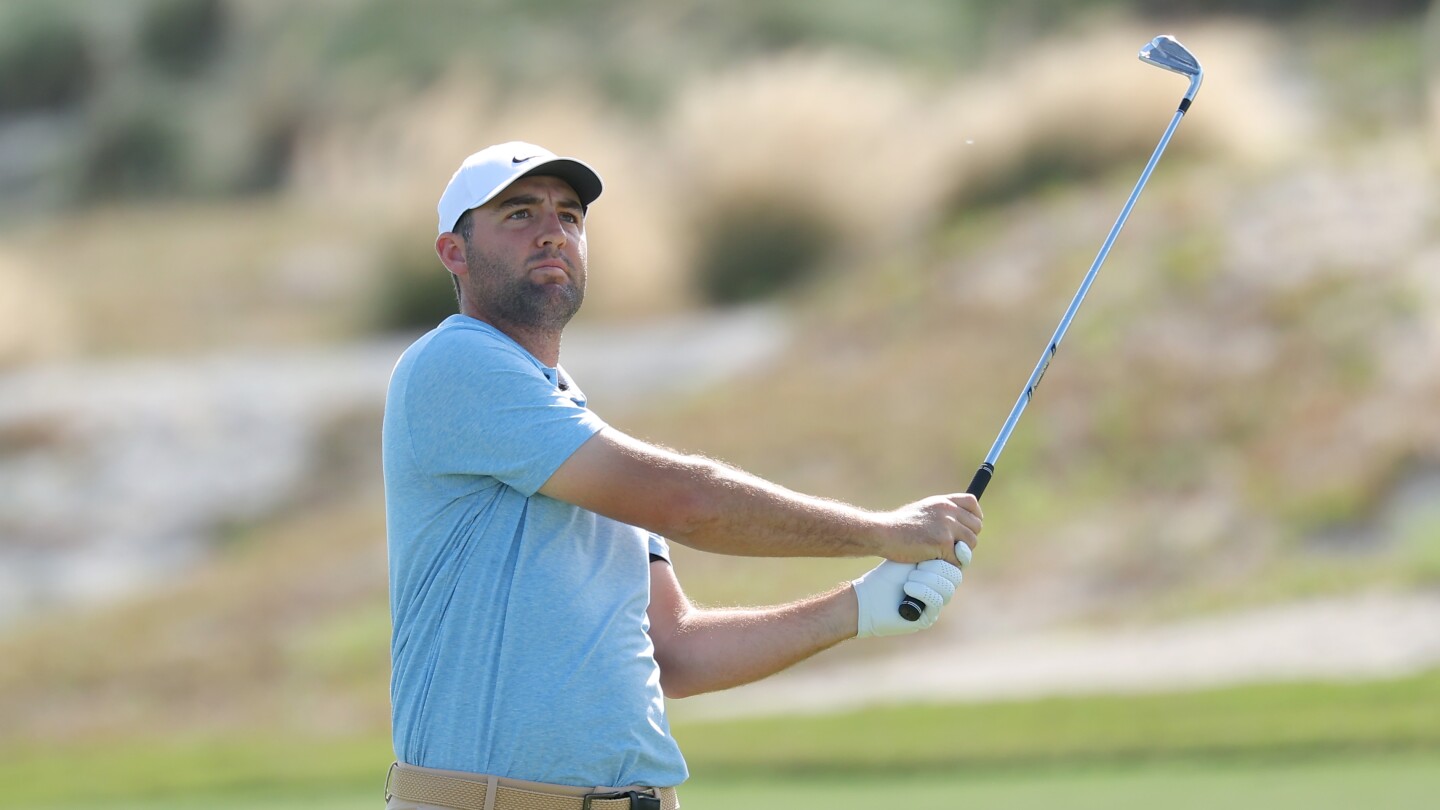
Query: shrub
[[138, 153], [413, 290], [273, 152], [45, 63], [791, 162], [1289, 9], [753, 250], [1430, 47], [1081, 106], [181, 36]]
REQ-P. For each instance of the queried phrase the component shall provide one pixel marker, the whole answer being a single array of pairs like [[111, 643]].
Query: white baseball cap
[[492, 169]]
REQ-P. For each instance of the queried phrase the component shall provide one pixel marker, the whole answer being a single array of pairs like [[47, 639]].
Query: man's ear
[[451, 250]]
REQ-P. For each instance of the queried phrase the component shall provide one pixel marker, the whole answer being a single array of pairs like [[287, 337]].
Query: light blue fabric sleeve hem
[[526, 488], [660, 548]]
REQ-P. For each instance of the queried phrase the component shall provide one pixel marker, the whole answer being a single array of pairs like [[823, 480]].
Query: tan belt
[[480, 792]]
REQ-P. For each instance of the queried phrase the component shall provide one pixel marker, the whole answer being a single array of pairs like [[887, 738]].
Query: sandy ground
[[1356, 637]]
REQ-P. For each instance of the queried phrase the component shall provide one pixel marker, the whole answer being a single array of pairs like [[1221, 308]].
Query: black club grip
[[910, 607]]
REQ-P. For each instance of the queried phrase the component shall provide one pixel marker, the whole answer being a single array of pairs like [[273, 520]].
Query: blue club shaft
[[1045, 357]]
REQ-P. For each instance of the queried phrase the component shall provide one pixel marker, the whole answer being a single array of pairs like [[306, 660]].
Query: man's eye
[[568, 217], [521, 214]]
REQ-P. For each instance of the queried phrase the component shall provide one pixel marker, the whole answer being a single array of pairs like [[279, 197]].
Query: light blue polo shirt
[[520, 644]]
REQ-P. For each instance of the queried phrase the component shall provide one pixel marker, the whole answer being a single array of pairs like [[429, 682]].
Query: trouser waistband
[[467, 791]]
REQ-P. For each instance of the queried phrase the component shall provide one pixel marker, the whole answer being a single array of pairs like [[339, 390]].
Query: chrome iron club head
[[1166, 52]]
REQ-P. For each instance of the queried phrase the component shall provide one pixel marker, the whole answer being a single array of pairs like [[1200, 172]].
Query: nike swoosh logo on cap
[[518, 161]]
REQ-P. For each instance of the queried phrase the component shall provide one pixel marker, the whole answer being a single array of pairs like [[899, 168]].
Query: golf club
[[1162, 51]]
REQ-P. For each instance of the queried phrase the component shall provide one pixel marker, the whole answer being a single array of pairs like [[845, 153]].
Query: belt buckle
[[638, 800], [390, 774]]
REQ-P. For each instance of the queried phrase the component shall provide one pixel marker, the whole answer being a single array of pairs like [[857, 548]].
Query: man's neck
[[543, 344]]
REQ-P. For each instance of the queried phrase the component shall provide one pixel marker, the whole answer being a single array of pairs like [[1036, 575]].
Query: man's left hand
[[878, 592]]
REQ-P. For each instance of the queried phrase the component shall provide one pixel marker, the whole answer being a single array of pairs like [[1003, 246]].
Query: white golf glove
[[879, 593]]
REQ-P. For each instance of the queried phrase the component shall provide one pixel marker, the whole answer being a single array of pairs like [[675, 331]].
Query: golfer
[[538, 623]]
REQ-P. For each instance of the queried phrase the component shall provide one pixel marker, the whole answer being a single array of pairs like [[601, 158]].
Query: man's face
[[526, 258]]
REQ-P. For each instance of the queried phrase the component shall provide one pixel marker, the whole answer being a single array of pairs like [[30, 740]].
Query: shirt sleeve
[[476, 406], [659, 549]]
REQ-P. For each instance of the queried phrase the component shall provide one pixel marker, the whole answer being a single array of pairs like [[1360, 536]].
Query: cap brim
[[582, 178]]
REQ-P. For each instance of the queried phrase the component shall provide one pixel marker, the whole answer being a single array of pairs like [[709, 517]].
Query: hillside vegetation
[[1245, 409]]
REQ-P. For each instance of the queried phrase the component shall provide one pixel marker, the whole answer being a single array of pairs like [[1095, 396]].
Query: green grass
[[1296, 719], [173, 772], [267, 800], [1394, 782], [1309, 742]]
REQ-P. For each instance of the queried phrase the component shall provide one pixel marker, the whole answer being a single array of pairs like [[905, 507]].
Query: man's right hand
[[929, 529]]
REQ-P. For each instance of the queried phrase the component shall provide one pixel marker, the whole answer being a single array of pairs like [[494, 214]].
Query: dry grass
[[186, 277], [1084, 101], [874, 156], [395, 166], [37, 323], [1430, 39], [826, 132], [871, 154]]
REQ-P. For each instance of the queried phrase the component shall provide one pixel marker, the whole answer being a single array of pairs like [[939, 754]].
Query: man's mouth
[[550, 273]]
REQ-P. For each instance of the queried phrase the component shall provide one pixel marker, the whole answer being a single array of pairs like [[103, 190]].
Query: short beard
[[518, 301]]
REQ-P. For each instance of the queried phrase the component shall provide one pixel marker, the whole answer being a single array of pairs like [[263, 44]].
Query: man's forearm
[[713, 507], [733, 512], [710, 650], [708, 505]]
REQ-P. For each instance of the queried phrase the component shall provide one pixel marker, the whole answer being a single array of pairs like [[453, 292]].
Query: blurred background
[[834, 239]]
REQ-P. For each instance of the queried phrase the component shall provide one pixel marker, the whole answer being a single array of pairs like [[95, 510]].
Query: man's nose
[[554, 231]]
